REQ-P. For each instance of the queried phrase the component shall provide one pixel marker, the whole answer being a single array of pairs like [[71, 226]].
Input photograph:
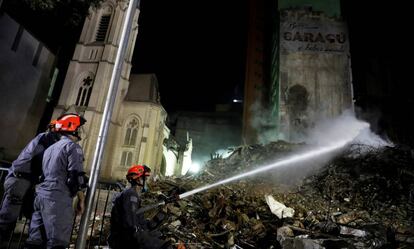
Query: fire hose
[[167, 200]]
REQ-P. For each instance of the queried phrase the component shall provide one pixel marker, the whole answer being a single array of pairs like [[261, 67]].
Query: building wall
[[297, 70], [254, 86], [170, 153], [148, 148], [271, 132], [26, 68], [314, 75]]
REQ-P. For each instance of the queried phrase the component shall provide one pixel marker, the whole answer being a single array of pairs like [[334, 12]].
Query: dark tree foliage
[[55, 22], [72, 11]]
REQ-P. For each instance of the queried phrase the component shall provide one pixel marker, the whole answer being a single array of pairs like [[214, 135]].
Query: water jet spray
[[291, 160], [311, 154]]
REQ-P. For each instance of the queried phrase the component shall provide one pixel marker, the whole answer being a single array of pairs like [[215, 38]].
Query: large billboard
[[307, 33]]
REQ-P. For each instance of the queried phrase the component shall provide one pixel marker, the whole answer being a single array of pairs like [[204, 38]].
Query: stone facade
[[314, 70], [136, 130], [297, 68], [177, 157]]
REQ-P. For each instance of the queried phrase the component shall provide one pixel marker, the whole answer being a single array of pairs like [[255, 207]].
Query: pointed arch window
[[126, 159], [84, 92], [131, 133]]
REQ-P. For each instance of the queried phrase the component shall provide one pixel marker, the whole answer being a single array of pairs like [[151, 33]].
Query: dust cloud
[[345, 129]]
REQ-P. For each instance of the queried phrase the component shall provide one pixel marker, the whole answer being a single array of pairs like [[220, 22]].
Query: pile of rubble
[[362, 198], [357, 200]]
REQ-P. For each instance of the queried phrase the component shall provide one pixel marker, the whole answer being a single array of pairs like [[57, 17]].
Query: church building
[[137, 127]]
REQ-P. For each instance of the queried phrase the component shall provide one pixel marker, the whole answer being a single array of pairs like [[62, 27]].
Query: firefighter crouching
[[23, 175], [129, 229], [63, 174]]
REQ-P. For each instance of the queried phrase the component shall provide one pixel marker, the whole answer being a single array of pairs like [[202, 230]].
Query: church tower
[[85, 91]]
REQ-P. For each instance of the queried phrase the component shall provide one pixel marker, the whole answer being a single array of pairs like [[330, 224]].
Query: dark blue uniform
[[53, 215], [23, 174], [130, 230], [124, 222]]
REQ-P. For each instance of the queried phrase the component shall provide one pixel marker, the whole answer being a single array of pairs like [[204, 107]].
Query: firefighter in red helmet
[[129, 229], [137, 175], [63, 179]]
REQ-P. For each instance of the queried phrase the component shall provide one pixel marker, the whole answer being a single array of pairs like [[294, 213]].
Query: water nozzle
[[167, 200]]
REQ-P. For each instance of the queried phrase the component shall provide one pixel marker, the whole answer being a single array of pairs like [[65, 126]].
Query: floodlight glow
[[195, 167]]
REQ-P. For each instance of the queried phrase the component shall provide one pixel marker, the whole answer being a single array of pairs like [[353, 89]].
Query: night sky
[[381, 58], [196, 49]]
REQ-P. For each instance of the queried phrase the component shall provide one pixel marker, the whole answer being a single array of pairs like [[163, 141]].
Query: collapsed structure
[[363, 198], [298, 69]]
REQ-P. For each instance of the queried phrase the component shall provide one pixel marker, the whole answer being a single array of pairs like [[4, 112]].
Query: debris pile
[[358, 200], [363, 198]]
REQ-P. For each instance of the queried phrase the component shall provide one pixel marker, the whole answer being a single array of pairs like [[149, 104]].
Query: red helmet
[[136, 171], [69, 122]]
